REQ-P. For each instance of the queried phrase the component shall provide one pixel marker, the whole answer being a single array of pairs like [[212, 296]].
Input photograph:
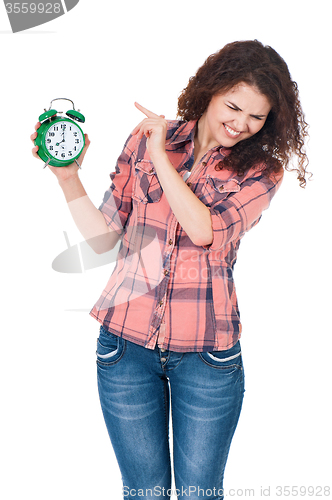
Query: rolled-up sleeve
[[117, 201], [240, 211]]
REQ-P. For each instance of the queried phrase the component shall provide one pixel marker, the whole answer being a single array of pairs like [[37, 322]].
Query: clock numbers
[[64, 140]]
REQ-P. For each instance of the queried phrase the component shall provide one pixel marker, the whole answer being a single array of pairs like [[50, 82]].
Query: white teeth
[[231, 131]]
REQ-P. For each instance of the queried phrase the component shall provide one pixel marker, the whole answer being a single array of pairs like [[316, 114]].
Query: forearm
[[88, 219], [190, 212]]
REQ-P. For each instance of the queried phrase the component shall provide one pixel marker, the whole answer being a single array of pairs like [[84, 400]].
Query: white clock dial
[[64, 140]]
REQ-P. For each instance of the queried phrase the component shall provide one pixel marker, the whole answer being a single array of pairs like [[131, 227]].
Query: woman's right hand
[[62, 173]]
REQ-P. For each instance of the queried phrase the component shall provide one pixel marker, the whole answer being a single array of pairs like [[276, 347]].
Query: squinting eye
[[253, 116]]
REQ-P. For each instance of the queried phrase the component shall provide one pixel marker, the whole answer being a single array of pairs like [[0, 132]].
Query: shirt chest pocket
[[147, 188], [215, 189]]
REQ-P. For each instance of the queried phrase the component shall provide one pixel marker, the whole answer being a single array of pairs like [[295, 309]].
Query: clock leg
[[48, 161], [79, 166]]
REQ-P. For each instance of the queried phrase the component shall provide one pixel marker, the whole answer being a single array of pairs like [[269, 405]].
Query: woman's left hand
[[154, 127]]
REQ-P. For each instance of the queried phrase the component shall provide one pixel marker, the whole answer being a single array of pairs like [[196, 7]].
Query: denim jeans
[[206, 391]]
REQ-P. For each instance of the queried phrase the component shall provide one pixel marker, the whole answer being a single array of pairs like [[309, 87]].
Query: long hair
[[284, 132]]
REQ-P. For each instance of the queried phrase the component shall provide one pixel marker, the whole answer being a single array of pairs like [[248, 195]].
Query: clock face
[[64, 140]]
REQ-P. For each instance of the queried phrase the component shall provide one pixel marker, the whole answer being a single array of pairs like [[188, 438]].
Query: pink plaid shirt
[[165, 290]]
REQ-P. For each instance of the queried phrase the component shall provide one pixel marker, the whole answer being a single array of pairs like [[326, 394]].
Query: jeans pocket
[[230, 359], [110, 348]]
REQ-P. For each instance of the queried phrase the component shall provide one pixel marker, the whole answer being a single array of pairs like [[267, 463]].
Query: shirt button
[[189, 184], [170, 242], [204, 163], [165, 272], [163, 350], [151, 170], [161, 303], [221, 188]]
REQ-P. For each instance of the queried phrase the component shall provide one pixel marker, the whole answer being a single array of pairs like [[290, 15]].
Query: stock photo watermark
[[25, 15], [142, 260], [81, 257], [197, 492]]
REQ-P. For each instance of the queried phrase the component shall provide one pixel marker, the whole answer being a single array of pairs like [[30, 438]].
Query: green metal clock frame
[[40, 141]]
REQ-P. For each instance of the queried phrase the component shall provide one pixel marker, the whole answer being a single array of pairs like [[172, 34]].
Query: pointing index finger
[[148, 113]]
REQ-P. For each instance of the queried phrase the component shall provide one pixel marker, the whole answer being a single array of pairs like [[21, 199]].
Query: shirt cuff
[[110, 222], [225, 227]]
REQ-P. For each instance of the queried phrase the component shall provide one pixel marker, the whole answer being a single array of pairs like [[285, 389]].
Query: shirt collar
[[181, 132]]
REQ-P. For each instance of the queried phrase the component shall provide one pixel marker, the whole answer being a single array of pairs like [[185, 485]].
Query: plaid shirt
[[165, 290]]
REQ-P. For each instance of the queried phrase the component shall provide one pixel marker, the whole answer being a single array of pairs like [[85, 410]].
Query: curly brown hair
[[285, 129]]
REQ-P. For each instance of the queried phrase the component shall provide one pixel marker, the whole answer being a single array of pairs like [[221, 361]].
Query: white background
[[105, 55]]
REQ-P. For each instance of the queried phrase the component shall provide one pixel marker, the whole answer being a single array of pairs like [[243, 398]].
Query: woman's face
[[233, 116]]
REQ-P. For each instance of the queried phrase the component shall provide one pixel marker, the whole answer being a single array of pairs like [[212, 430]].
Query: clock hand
[[63, 140]]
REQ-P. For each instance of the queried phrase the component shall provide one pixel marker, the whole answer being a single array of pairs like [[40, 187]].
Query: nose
[[241, 124]]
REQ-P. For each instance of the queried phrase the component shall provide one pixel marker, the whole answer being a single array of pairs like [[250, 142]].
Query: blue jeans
[[206, 391]]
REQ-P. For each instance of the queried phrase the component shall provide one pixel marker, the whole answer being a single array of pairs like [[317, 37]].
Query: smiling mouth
[[231, 132]]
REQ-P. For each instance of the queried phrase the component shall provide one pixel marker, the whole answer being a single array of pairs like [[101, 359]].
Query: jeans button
[[163, 360]]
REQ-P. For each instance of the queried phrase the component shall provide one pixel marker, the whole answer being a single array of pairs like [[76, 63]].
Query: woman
[[182, 197]]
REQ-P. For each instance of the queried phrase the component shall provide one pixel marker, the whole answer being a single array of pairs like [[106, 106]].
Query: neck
[[203, 139]]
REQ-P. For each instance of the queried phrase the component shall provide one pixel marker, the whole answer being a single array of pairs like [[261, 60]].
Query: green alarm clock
[[60, 139]]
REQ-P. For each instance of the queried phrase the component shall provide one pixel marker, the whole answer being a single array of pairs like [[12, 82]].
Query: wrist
[[72, 180], [72, 188], [159, 157]]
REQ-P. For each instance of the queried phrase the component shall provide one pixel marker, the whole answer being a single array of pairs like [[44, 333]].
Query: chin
[[229, 143]]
